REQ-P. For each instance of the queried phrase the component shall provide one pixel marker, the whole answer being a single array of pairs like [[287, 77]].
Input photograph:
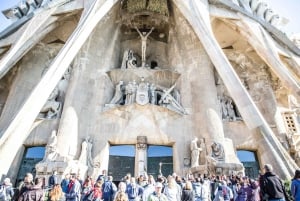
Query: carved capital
[[141, 142]]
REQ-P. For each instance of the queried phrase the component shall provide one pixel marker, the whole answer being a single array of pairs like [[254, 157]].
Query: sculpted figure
[[130, 91], [118, 97], [144, 37], [86, 152], [152, 94], [131, 61], [202, 156], [142, 93], [51, 148], [269, 14], [167, 100], [230, 110], [52, 107], [124, 60], [296, 40], [261, 10], [195, 152], [224, 108], [218, 151]]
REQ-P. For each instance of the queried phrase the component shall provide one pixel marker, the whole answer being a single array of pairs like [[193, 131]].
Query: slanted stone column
[[18, 130], [141, 156]]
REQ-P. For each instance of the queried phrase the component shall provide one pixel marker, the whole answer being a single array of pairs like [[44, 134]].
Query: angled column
[[20, 126], [196, 12], [36, 29]]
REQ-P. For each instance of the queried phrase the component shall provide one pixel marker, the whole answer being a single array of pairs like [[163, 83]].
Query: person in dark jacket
[[36, 193], [295, 186], [187, 192], [271, 186], [53, 179], [108, 189]]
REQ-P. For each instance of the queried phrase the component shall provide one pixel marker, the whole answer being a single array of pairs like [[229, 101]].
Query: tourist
[[25, 185], [6, 190], [172, 190], [134, 191], [188, 193], [223, 192], [56, 193], [108, 189], [65, 183], [241, 190], [201, 190], [122, 196], [87, 186], [121, 193], [248, 188], [35, 193], [255, 190], [157, 195], [95, 194], [149, 189], [127, 178], [74, 189], [53, 179], [102, 176], [271, 186], [295, 186]]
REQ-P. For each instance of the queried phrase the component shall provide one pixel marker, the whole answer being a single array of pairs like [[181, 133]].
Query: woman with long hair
[[55, 193]]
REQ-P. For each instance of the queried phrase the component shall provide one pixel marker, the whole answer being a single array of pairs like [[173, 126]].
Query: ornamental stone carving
[[51, 152], [141, 142], [144, 92], [218, 151]]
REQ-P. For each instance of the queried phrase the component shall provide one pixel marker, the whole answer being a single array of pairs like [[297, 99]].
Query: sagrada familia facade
[[204, 77]]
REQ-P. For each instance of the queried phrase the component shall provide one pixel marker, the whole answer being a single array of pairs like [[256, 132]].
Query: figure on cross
[[144, 36]]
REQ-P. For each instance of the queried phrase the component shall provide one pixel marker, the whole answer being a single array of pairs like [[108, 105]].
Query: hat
[[268, 167], [158, 185]]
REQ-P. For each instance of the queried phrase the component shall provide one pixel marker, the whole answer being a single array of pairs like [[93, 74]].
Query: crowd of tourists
[[146, 188]]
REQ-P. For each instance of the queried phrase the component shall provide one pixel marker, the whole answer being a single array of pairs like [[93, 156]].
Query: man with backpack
[[271, 186], [108, 189]]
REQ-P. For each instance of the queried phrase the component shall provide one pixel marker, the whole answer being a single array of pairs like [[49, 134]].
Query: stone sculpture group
[[144, 93]]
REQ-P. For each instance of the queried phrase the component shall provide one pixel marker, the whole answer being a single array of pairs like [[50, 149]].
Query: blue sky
[[285, 8]]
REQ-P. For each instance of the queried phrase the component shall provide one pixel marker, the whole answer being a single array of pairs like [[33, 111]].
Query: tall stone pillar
[[141, 156], [68, 134], [207, 119]]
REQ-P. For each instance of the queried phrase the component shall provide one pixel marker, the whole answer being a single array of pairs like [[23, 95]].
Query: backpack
[[2, 193]]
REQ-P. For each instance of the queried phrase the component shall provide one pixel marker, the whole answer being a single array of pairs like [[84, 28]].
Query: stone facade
[[202, 77]]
